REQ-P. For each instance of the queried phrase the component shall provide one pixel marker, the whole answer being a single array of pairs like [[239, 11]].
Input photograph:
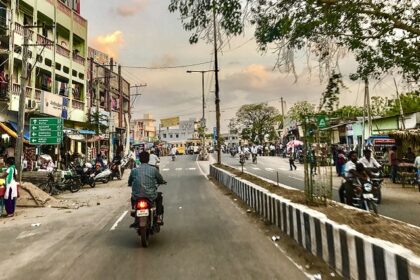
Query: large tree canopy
[[383, 35], [258, 121], [300, 110]]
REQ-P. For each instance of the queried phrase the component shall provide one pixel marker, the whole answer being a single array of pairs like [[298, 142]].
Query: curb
[[351, 254]]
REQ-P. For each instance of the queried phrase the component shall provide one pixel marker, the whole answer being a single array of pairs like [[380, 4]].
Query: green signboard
[[322, 121], [46, 131]]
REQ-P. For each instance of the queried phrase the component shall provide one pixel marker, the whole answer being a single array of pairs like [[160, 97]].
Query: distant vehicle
[[180, 150]]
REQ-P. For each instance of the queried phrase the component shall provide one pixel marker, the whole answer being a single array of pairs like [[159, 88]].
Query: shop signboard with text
[[46, 131], [51, 104]]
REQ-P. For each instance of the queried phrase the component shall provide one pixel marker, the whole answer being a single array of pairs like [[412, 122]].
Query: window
[[66, 69], [177, 135], [164, 135], [171, 136]]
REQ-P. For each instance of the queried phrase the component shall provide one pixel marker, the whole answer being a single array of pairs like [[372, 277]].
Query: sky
[[143, 33]]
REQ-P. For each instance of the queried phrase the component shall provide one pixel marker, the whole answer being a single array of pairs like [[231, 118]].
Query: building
[[144, 130], [109, 96], [57, 68], [186, 132]]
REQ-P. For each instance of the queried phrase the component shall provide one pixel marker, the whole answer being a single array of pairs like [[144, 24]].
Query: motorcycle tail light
[[142, 204]]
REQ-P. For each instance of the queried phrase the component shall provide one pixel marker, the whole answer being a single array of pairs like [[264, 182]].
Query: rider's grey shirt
[[143, 181]]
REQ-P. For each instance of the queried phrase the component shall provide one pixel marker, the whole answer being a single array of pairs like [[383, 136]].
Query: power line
[[166, 67]]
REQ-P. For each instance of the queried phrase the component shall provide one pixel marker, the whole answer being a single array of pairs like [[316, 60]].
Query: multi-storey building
[[109, 95], [144, 130], [56, 85]]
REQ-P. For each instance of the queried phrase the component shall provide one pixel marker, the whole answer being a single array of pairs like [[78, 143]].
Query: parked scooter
[[145, 213], [102, 174]]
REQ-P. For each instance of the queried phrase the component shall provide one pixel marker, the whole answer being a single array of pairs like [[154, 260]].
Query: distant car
[[180, 150]]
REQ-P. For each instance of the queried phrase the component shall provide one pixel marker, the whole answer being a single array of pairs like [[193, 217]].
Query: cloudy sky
[[143, 33]]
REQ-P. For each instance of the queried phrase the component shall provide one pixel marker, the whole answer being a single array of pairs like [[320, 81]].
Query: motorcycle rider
[[154, 159], [368, 161], [143, 181], [350, 172], [173, 151]]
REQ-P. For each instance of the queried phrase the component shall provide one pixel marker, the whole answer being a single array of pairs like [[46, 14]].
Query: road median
[[356, 244]]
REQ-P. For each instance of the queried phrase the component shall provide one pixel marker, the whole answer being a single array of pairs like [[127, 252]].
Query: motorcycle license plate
[[368, 196], [142, 213]]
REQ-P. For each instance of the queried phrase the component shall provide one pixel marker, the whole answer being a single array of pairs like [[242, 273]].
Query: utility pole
[[401, 108], [282, 113], [111, 115], [368, 106], [22, 102], [216, 75]]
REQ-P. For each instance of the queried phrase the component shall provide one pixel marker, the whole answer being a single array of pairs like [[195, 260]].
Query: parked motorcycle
[[70, 181], [102, 174], [115, 169], [87, 174], [145, 213]]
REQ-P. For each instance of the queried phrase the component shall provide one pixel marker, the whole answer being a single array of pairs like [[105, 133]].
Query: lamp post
[[203, 154]]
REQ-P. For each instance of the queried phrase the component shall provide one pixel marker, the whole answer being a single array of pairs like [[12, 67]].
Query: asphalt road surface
[[205, 236], [397, 203]]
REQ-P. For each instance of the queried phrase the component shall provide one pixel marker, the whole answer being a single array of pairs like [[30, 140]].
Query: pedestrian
[[341, 161], [313, 162], [410, 156], [292, 162], [393, 162], [11, 187]]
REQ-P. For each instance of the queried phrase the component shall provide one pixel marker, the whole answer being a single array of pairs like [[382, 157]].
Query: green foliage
[[95, 122], [347, 112], [257, 121], [382, 35], [301, 110], [330, 99], [378, 105], [409, 101]]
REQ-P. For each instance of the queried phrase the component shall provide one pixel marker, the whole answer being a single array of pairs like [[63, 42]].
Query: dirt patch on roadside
[[31, 196], [363, 222]]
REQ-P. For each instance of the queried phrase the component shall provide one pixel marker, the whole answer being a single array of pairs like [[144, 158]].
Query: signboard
[[169, 122], [51, 104], [322, 121], [46, 131]]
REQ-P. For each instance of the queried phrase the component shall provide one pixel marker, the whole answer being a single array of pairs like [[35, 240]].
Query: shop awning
[[25, 130], [10, 131], [76, 137]]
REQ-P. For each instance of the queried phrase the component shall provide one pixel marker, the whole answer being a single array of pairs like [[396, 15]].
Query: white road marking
[[256, 168], [269, 169], [284, 169], [165, 169], [192, 168], [178, 169], [118, 221], [201, 170], [296, 178]]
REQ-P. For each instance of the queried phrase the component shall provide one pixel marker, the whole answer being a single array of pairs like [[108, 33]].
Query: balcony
[[63, 51], [44, 41], [16, 90], [79, 59], [20, 30], [76, 104]]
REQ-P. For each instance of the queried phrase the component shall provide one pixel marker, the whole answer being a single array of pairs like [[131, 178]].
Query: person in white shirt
[[173, 151], [350, 166], [350, 172], [368, 161], [254, 150], [154, 160]]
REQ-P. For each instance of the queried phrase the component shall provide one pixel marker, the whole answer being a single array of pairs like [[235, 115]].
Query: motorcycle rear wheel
[[75, 186], [46, 187], [144, 235]]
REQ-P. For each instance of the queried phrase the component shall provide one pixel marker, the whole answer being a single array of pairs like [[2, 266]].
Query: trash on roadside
[[180, 207], [332, 274], [307, 266], [249, 211], [235, 199], [275, 238], [35, 225], [98, 203]]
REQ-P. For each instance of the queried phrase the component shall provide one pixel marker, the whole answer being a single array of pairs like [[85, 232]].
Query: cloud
[[109, 43], [132, 8]]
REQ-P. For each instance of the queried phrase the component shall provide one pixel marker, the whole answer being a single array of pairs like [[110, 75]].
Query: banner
[[169, 122]]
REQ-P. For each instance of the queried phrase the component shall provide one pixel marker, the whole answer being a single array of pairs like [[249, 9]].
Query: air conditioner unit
[[31, 104]]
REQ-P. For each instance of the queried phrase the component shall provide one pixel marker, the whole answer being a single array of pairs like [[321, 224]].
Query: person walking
[[11, 187], [393, 162], [292, 162]]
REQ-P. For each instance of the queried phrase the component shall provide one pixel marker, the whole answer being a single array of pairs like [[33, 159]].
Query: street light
[[203, 155]]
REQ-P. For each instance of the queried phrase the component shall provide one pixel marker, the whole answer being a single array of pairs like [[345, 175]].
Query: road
[[397, 203], [205, 236]]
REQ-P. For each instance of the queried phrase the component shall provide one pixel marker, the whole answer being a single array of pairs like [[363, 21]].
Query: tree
[[258, 121], [347, 112], [96, 122], [330, 99], [410, 103], [300, 110], [379, 105], [382, 35]]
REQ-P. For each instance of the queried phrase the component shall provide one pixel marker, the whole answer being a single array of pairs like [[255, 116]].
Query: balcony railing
[[63, 8], [76, 104], [16, 90], [44, 41], [63, 51], [20, 30], [79, 59]]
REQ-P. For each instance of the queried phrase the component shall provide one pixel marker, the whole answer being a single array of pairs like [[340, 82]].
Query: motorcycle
[[247, 155], [70, 181], [363, 195], [242, 158], [233, 153], [86, 174], [115, 169], [145, 213], [377, 180], [173, 157], [102, 174]]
